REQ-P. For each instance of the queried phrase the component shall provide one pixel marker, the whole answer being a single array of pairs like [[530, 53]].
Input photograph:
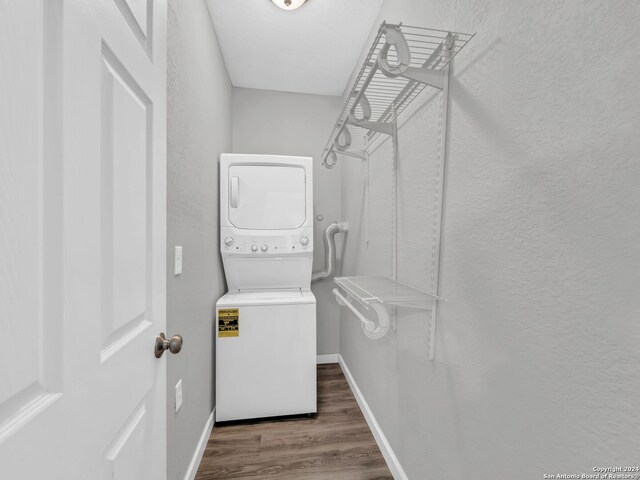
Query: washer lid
[[266, 297]]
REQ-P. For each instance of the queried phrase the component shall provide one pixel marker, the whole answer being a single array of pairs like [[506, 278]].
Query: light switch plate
[[177, 261], [178, 399]]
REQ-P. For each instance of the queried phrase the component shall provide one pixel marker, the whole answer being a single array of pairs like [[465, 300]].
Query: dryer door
[[267, 197]]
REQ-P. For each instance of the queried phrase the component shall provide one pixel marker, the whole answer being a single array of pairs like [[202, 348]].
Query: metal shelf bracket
[[426, 73], [380, 127]]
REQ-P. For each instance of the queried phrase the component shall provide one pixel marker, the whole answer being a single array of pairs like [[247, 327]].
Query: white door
[[82, 239]]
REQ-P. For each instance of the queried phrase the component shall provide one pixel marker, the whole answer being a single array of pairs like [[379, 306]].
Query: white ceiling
[[312, 49]]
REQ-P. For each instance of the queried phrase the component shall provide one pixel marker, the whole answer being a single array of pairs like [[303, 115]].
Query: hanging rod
[[401, 62]]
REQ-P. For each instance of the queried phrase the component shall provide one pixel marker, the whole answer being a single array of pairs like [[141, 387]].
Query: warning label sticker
[[228, 322]]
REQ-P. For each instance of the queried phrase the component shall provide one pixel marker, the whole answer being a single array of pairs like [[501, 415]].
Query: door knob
[[174, 345]]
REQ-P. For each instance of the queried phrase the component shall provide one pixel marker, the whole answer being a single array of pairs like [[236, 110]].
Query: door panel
[[139, 17], [29, 242], [125, 172], [82, 277], [122, 457], [20, 275], [268, 197]]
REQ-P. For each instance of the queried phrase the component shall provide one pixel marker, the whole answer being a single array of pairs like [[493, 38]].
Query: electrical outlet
[[178, 396], [177, 261]]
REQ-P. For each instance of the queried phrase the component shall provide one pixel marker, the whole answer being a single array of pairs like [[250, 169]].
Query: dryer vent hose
[[330, 250]]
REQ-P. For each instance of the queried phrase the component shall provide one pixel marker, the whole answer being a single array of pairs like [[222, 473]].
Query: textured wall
[[297, 124], [537, 357], [198, 130]]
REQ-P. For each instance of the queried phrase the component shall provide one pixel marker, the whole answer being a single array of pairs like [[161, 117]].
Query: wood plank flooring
[[334, 445]]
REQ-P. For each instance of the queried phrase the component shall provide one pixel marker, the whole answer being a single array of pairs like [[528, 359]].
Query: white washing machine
[[266, 323]]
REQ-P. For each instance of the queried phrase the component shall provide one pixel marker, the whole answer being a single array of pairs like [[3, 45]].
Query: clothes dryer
[[266, 323]]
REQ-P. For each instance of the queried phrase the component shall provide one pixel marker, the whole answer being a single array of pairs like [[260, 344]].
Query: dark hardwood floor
[[334, 445]]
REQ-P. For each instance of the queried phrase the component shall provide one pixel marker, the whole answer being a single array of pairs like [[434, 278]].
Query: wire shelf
[[388, 96], [370, 290]]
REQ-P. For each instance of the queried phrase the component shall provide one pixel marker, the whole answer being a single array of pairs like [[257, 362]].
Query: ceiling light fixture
[[288, 4]]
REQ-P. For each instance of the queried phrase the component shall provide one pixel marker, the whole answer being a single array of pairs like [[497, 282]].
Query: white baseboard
[[329, 358], [197, 455], [383, 444]]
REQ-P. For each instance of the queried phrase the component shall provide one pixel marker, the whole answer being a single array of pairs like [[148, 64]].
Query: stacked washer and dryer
[[266, 323]]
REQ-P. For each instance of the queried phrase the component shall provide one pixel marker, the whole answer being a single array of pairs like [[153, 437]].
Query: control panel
[[300, 242]]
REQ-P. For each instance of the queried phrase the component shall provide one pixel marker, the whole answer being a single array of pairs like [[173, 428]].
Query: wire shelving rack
[[401, 62]]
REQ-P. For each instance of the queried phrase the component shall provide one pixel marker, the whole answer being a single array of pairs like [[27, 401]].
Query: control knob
[[254, 248], [228, 241], [304, 241], [264, 247]]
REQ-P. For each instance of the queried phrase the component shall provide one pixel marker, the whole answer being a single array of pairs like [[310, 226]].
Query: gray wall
[[198, 130], [297, 124], [537, 356]]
